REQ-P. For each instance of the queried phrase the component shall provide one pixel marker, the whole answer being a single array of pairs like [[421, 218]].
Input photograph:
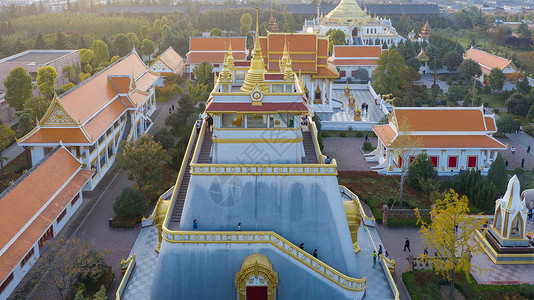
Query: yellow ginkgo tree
[[450, 235]]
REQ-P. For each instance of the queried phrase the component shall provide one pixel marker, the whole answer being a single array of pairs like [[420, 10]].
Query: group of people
[[379, 254], [209, 121], [365, 107], [301, 246]]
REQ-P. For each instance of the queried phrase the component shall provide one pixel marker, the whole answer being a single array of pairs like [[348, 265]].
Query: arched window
[[498, 220], [516, 227]]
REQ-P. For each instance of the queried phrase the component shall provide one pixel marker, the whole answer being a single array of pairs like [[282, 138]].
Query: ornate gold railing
[[389, 278], [266, 169], [272, 238], [313, 130], [127, 267], [366, 220]]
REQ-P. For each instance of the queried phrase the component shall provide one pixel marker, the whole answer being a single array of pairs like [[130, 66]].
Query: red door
[[256, 293]]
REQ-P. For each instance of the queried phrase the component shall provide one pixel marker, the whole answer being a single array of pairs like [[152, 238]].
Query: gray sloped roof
[[399, 9], [151, 9]]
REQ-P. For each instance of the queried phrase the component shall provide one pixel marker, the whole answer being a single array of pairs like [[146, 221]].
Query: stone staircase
[[204, 156], [309, 149]]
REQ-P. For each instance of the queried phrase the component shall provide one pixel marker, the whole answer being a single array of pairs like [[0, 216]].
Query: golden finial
[[225, 77], [288, 72], [230, 55], [285, 56], [256, 73]]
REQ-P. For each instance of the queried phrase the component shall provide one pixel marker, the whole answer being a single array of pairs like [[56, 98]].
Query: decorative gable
[[57, 116]]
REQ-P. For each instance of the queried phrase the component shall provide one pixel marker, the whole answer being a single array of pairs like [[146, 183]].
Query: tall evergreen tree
[[61, 40], [18, 46], [40, 43], [83, 42]]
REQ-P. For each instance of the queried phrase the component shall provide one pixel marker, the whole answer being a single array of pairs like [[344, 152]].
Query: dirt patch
[[456, 295]]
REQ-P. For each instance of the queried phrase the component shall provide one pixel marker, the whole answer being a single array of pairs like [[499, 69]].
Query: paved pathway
[[347, 113], [428, 80], [347, 153], [12, 152], [520, 142]]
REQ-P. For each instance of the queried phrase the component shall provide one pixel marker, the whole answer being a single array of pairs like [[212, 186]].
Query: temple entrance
[[256, 293], [355, 31]]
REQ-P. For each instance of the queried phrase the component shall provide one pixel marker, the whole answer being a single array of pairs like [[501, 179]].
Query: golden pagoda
[[425, 31], [230, 55], [288, 72], [348, 11], [256, 73], [273, 27]]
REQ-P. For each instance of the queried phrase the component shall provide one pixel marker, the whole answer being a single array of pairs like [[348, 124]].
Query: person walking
[[239, 227], [523, 162], [315, 253], [528, 150], [367, 137], [374, 257], [513, 150], [199, 125], [301, 246], [379, 250], [506, 162], [407, 245], [387, 255], [195, 224]]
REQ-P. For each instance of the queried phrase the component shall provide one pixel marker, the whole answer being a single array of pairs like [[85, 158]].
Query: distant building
[[32, 60], [93, 118], [19, 3], [488, 61], [212, 49], [455, 139], [34, 209], [359, 27], [356, 61], [167, 63], [415, 11]]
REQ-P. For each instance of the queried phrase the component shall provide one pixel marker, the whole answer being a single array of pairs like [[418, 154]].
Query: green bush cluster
[[367, 146], [480, 191], [130, 204], [405, 222], [420, 168]]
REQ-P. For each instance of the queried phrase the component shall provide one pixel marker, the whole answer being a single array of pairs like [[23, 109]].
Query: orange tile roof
[[104, 119], [144, 82], [217, 43], [385, 133], [138, 98], [357, 51], [121, 83], [486, 60], [438, 119], [490, 124], [89, 97], [329, 71], [458, 141], [29, 194], [172, 59], [212, 57], [296, 42], [355, 62], [55, 135]]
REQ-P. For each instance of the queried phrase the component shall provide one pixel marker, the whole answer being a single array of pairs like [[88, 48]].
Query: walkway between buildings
[[12, 152]]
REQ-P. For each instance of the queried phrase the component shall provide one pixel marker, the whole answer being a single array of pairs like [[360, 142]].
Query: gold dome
[[256, 73]]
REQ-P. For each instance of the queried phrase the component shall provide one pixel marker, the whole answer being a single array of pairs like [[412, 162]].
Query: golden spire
[[288, 72], [230, 55], [226, 76], [285, 57], [256, 73]]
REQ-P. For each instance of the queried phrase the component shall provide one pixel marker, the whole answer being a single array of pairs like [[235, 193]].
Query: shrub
[[164, 137], [421, 167], [404, 222], [480, 191], [130, 204], [519, 171], [496, 111], [518, 104], [367, 146], [342, 134], [358, 134], [498, 175], [527, 290], [506, 124], [449, 81]]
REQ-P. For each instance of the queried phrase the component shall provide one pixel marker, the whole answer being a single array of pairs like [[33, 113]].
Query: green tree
[[335, 37], [289, 22], [197, 92], [518, 104], [142, 160], [452, 60], [40, 43], [6, 135], [523, 31], [25, 120], [178, 120], [68, 72], [498, 175], [86, 55], [450, 234], [46, 81], [37, 106], [134, 40], [18, 87], [130, 204], [101, 294], [523, 85], [164, 137], [144, 31], [387, 75], [61, 40], [101, 52], [84, 76], [506, 124], [468, 70], [246, 24], [122, 44], [67, 87], [114, 59], [411, 92], [147, 47], [496, 79], [420, 168], [216, 32], [203, 73]]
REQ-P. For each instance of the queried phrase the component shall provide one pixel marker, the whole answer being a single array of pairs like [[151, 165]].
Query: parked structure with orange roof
[[93, 118], [454, 138], [359, 27], [308, 53], [212, 50], [34, 209], [488, 61], [356, 61], [167, 63]]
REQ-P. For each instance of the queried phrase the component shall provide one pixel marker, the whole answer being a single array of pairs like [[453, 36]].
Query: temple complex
[[356, 62], [92, 119], [253, 188], [359, 27], [167, 63], [455, 139], [488, 61]]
